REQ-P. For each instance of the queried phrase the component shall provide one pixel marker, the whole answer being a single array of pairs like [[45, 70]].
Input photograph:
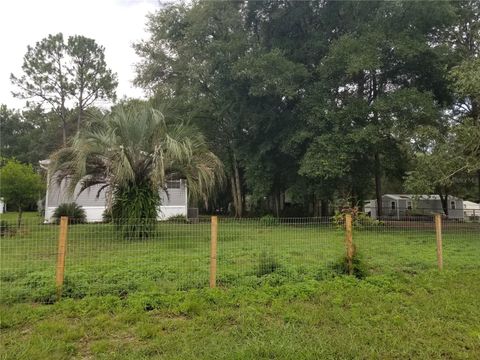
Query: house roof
[[414, 197], [470, 205], [417, 197]]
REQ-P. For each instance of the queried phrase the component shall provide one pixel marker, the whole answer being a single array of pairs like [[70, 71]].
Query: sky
[[115, 24]]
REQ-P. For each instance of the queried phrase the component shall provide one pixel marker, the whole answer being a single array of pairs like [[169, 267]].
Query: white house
[[174, 199], [401, 205], [471, 209], [2, 206]]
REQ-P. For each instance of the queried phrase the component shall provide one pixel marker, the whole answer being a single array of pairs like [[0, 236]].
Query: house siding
[[93, 201], [425, 206]]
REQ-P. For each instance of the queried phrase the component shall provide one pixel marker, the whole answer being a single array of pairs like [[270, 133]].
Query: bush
[[267, 264], [6, 229], [107, 216], [178, 219], [75, 213], [359, 219], [269, 220], [21, 186], [359, 269], [134, 210]]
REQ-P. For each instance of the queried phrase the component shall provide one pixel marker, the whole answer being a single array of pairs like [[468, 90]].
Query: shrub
[[75, 213], [359, 219], [6, 229], [359, 269], [107, 216], [178, 219], [269, 220], [21, 186], [267, 264], [134, 210]]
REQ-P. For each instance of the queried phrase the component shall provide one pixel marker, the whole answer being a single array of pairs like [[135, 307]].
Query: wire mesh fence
[[123, 258]]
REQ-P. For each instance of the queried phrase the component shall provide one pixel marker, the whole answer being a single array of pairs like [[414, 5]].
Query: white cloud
[[115, 24]]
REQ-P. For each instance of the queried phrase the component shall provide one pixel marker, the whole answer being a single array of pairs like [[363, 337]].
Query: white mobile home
[[173, 199], [471, 209], [398, 206]]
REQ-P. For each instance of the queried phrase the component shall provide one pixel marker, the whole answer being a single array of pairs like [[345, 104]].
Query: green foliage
[[20, 186], [75, 213], [6, 229], [267, 264], [57, 72], [134, 151], [358, 266], [178, 219], [33, 134], [134, 209], [351, 98], [448, 164], [107, 216], [143, 325], [269, 220], [359, 219]]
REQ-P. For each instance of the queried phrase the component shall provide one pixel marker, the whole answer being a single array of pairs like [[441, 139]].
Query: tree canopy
[[308, 104], [61, 74], [132, 152], [319, 100], [20, 186]]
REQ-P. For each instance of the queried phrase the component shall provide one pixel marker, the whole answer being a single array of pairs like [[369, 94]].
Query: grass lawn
[[279, 296]]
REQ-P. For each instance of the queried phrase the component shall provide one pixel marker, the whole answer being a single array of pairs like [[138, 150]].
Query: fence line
[[124, 258]]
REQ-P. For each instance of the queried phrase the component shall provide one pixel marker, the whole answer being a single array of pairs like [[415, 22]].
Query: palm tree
[[132, 152]]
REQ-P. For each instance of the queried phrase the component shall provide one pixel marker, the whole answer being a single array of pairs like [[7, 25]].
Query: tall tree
[[132, 152], [189, 56], [61, 74], [328, 96], [92, 79], [45, 77], [21, 186], [374, 86], [29, 135]]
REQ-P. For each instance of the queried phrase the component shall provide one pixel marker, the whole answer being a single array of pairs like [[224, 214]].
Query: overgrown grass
[[278, 295], [429, 316]]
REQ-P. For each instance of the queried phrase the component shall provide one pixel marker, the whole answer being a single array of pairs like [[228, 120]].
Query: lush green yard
[[279, 295]]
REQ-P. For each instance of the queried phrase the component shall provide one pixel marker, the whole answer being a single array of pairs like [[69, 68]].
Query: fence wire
[[125, 258]]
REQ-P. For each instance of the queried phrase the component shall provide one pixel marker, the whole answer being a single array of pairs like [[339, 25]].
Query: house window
[[394, 205], [452, 205], [409, 205], [173, 184]]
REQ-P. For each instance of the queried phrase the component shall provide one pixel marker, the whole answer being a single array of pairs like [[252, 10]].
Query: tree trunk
[[19, 219], [378, 185], [79, 118], [323, 208], [80, 100], [234, 195], [238, 188], [444, 201], [64, 133], [277, 204], [478, 178], [317, 207], [63, 94]]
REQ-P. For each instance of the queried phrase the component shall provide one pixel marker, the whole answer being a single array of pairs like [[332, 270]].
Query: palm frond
[[135, 143]]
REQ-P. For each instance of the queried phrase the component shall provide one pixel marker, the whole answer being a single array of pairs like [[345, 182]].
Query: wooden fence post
[[213, 251], [349, 242], [62, 250], [438, 232]]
